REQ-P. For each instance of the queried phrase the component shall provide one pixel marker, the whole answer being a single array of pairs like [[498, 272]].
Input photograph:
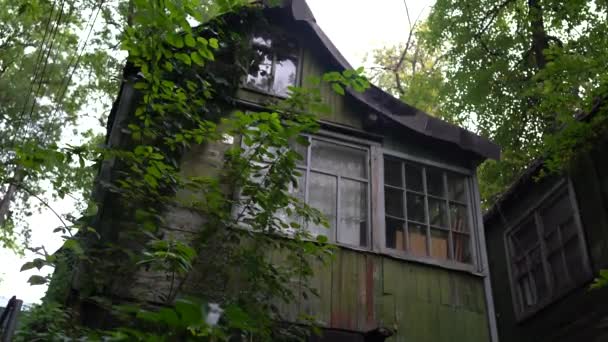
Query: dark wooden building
[[546, 240], [398, 186]]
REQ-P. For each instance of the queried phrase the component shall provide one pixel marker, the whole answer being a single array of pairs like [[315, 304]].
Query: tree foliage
[[189, 58], [517, 72], [47, 76]]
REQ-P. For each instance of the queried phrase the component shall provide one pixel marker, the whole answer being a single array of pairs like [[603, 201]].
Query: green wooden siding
[[362, 291]]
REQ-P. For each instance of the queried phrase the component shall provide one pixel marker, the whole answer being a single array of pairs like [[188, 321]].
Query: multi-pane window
[[426, 211], [546, 253], [335, 180], [274, 66]]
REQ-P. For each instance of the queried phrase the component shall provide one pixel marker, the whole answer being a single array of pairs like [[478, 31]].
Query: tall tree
[[516, 71], [49, 70]]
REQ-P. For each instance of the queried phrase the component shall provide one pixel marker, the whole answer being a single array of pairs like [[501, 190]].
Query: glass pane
[[413, 177], [524, 238], [395, 234], [339, 159], [260, 71], [568, 229], [415, 207], [462, 247], [302, 150], [285, 72], [417, 239], [352, 228], [322, 193], [459, 218], [527, 291], [434, 182], [557, 213], [438, 213], [538, 275], [439, 244], [393, 202], [558, 271], [552, 242], [392, 172], [457, 188], [574, 260]]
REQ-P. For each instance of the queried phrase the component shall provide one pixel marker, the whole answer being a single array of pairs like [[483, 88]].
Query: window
[[274, 66], [335, 180], [546, 253], [426, 211]]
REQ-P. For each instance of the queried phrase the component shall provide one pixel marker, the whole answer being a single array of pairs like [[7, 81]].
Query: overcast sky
[[356, 27]]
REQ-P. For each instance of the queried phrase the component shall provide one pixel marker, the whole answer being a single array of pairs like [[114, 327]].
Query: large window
[[335, 180], [546, 253], [274, 66], [426, 211]]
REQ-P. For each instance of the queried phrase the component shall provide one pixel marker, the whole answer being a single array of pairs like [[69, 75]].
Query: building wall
[[576, 316], [359, 290]]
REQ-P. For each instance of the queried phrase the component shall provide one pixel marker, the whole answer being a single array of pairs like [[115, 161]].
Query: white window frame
[[533, 213], [475, 267], [351, 142]]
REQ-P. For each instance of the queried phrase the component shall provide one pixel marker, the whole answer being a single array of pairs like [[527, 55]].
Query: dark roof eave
[[395, 109]]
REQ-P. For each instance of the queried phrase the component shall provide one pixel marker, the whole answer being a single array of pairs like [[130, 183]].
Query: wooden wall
[[577, 316], [363, 291]]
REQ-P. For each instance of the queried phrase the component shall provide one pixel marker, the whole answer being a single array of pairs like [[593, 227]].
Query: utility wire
[[59, 99]]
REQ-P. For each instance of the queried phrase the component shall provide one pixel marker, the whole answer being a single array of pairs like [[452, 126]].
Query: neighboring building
[[399, 188], [546, 239]]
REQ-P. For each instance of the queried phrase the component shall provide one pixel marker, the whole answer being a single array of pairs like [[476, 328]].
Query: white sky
[[356, 27]]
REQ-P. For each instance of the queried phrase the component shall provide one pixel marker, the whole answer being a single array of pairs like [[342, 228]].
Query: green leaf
[[214, 43], [337, 88], [184, 58], [74, 245], [189, 40], [196, 58], [37, 280]]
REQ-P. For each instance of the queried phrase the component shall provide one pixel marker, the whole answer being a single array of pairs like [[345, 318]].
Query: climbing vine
[[251, 246]]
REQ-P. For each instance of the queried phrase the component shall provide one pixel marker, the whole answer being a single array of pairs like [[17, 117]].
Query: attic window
[[546, 253], [426, 211], [274, 65]]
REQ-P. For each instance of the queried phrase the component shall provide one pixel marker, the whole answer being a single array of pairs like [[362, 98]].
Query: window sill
[[262, 92], [523, 316], [443, 264]]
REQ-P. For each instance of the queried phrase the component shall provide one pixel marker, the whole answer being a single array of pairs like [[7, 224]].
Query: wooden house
[[398, 186], [546, 240]]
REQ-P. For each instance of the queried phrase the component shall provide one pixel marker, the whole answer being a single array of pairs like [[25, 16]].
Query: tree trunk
[[5, 203], [540, 40]]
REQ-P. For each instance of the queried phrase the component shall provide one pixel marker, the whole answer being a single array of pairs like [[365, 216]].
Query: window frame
[[475, 266], [350, 142], [298, 54], [533, 214]]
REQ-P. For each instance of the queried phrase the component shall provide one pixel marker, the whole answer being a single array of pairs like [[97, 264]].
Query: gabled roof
[[395, 109]]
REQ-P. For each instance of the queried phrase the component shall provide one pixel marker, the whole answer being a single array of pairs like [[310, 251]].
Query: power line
[[59, 99]]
